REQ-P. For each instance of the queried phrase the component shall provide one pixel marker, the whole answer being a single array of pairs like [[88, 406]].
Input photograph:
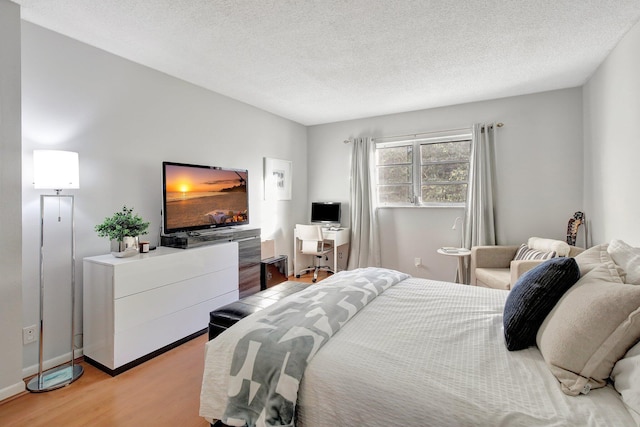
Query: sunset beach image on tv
[[197, 197]]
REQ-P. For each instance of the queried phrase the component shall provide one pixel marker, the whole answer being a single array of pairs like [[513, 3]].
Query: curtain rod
[[416, 135]]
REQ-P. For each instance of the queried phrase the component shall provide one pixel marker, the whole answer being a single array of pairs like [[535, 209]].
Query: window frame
[[416, 165]]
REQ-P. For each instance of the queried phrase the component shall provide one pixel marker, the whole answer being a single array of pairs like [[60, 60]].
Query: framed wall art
[[277, 179]]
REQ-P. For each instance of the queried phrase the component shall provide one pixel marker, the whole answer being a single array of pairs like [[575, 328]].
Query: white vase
[[125, 248]]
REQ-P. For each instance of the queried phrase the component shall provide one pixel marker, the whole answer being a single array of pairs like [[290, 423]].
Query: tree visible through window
[[423, 172]]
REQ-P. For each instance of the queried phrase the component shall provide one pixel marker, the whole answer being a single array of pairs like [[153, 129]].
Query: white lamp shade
[[55, 170]]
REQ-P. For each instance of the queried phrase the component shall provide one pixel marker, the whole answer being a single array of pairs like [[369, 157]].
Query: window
[[423, 172]]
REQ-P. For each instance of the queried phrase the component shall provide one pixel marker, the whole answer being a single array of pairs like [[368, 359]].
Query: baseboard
[[12, 390], [140, 360]]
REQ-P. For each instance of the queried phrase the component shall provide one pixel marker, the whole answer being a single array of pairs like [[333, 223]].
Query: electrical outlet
[[29, 334], [417, 262]]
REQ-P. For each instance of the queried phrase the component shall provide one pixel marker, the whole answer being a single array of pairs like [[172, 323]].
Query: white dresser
[[138, 307]]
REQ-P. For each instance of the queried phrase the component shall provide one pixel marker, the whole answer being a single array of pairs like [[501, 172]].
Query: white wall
[[11, 205], [539, 174], [125, 119], [612, 147]]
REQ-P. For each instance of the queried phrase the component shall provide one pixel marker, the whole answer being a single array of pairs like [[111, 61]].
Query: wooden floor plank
[[164, 391]]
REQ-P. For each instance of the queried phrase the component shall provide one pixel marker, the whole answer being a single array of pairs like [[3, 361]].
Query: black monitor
[[325, 213]]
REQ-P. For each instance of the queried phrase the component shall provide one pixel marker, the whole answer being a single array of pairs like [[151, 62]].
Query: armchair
[[494, 266]]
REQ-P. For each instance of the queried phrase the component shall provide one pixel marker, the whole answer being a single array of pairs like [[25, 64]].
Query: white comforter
[[424, 353]]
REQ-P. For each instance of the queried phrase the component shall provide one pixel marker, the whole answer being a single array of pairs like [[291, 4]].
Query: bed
[[427, 353]]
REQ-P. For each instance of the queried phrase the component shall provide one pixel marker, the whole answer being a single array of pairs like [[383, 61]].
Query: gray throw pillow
[[524, 252]]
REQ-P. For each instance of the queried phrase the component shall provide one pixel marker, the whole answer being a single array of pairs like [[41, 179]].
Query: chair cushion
[[497, 278], [533, 296], [549, 245], [592, 326]]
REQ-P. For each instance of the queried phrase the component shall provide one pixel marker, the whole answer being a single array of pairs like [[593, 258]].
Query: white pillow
[[626, 257], [626, 378], [549, 245]]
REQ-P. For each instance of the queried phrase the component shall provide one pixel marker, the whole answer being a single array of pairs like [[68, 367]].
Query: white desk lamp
[[55, 170], [461, 230]]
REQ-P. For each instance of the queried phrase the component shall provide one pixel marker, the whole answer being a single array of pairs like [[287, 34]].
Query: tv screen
[[199, 197], [325, 212]]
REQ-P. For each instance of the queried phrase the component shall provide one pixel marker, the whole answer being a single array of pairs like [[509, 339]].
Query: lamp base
[[55, 378]]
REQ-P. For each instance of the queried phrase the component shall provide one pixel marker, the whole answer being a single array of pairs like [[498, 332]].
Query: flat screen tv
[[325, 213], [196, 197]]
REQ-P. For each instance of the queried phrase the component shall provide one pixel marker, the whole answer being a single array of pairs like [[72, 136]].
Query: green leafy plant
[[122, 224]]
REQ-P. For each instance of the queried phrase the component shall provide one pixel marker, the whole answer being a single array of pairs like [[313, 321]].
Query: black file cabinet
[[273, 270]]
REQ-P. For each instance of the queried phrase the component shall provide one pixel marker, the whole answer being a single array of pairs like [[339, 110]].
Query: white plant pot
[[125, 248]]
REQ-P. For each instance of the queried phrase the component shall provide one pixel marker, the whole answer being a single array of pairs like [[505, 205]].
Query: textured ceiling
[[320, 61]]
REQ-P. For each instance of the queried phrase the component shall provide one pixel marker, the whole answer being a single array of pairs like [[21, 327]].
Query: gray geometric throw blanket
[[269, 361]]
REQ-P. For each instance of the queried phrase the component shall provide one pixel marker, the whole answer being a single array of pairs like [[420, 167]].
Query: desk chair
[[312, 243]]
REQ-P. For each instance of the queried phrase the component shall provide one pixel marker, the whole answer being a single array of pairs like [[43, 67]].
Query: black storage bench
[[226, 316]]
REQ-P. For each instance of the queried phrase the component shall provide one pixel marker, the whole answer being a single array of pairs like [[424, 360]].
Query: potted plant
[[123, 228]]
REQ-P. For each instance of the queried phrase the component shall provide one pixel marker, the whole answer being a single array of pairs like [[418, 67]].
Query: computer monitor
[[326, 213]]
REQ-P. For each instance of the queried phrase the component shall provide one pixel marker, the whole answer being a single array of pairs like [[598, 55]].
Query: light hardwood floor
[[164, 391]]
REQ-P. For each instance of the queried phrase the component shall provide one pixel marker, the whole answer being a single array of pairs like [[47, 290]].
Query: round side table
[[461, 254]]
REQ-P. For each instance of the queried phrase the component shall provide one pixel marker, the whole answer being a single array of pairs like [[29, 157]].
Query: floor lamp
[[55, 170]]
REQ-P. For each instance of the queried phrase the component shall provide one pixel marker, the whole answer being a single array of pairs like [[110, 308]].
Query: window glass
[[438, 176], [395, 155]]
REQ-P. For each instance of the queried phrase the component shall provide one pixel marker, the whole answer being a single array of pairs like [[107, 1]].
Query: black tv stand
[[192, 239]]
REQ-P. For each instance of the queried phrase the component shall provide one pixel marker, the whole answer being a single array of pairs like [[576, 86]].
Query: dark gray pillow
[[533, 297]]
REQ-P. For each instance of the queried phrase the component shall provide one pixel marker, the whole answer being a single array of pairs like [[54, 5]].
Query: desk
[[339, 239], [461, 254]]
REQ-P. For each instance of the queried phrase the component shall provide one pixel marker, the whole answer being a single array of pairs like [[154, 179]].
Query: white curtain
[[479, 219], [365, 241]]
